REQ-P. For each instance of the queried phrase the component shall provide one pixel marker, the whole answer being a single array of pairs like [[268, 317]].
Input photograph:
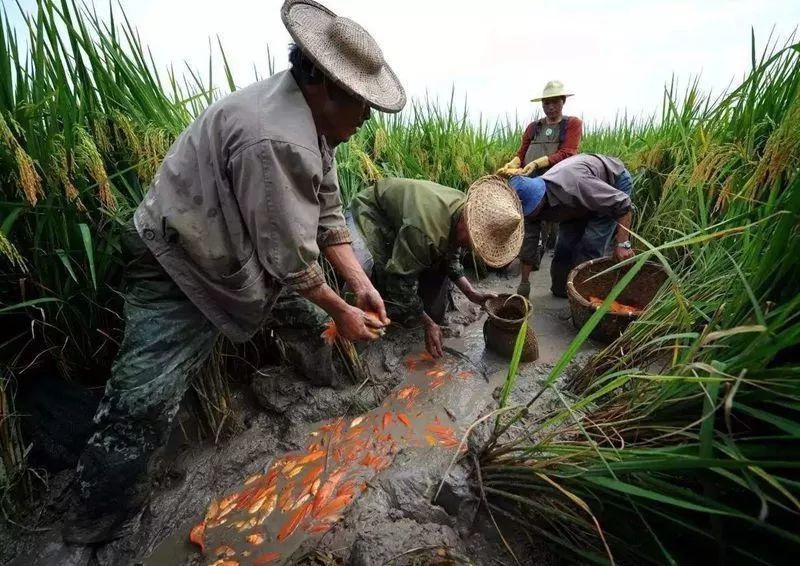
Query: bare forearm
[[465, 287], [326, 298], [346, 264]]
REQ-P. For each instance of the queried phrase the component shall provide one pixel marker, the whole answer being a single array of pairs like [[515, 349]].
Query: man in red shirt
[[545, 142]]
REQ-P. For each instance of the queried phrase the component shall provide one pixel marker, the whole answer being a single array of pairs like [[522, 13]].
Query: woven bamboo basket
[[506, 315], [583, 284]]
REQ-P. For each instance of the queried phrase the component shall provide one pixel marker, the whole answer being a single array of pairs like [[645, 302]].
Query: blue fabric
[[624, 182], [530, 191]]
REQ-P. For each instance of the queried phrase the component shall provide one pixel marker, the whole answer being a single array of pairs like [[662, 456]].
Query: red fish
[[336, 504], [403, 418], [196, 536], [266, 558], [326, 491], [387, 418], [330, 334], [615, 307], [294, 521]]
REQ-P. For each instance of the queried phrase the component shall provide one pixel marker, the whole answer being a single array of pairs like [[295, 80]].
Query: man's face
[[553, 106], [343, 112]]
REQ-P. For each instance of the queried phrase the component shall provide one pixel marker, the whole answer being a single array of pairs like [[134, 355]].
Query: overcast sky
[[615, 55]]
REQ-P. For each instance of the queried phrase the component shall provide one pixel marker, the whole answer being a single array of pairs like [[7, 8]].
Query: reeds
[[679, 442]]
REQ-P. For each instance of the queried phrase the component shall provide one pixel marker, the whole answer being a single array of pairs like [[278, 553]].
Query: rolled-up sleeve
[[275, 184], [332, 229]]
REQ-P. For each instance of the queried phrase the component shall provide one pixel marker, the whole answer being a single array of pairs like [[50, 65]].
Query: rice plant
[[679, 442]]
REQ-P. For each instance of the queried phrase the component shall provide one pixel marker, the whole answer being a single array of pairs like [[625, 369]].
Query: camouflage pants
[[166, 341]]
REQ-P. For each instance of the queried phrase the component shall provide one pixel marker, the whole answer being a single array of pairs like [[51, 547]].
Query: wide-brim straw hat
[[553, 89], [345, 52], [494, 220]]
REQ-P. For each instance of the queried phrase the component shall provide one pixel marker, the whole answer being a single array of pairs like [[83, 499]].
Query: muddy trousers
[[578, 241], [166, 341]]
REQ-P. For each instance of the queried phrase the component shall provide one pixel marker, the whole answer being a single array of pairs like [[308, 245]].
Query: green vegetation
[[678, 442]]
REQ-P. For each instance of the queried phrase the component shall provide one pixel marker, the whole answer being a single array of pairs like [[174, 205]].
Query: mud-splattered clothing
[[242, 203], [167, 340], [408, 226]]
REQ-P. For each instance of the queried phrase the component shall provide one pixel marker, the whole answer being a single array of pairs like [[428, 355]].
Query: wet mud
[[397, 496]]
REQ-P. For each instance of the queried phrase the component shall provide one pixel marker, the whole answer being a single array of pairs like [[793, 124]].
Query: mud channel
[[396, 496]]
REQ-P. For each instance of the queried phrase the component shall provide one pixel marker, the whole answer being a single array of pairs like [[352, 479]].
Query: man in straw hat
[[545, 142], [238, 213], [413, 232], [589, 196]]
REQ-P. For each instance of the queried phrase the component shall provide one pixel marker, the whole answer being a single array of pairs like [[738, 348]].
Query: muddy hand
[[621, 254], [354, 324], [369, 300], [433, 340], [481, 298]]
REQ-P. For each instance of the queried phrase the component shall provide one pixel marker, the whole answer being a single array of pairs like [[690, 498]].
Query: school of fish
[[305, 493]]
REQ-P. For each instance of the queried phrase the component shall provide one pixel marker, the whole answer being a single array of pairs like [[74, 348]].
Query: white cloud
[[615, 55]]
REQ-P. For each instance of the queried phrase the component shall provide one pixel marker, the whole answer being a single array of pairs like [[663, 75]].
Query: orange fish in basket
[[618, 308]]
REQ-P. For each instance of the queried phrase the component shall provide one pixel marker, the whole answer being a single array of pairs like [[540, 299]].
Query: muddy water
[[303, 494], [395, 513]]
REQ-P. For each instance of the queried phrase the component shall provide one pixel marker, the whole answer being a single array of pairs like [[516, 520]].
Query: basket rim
[[581, 300], [509, 296]]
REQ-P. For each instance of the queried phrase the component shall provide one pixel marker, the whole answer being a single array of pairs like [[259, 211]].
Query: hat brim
[[307, 23], [565, 95], [494, 249]]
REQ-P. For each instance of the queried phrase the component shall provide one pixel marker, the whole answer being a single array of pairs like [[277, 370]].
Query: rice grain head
[[29, 178], [10, 252], [88, 157]]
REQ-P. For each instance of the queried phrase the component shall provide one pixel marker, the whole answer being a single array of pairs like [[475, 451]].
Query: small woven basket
[[583, 282], [506, 315]]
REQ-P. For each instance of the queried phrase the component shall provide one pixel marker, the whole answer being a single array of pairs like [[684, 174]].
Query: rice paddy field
[[679, 443]]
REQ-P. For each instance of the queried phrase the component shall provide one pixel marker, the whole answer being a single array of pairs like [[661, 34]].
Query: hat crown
[[357, 44], [505, 220]]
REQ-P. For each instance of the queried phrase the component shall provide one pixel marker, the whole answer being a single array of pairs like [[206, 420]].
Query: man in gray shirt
[[239, 211], [589, 196]]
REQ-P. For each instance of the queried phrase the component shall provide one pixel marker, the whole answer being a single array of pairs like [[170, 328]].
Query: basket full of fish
[[590, 283]]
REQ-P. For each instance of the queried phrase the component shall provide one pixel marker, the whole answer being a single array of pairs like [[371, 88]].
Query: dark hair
[[303, 69]]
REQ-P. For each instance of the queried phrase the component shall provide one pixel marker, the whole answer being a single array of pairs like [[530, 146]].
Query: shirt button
[[148, 234]]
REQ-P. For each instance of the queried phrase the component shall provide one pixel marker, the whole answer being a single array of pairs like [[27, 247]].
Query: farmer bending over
[[588, 195], [238, 212], [545, 142], [409, 233]]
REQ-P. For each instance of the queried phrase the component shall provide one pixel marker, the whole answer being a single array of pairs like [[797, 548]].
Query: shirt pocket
[[246, 275]]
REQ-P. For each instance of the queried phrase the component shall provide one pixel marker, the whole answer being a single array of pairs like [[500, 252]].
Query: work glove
[[510, 168], [540, 163]]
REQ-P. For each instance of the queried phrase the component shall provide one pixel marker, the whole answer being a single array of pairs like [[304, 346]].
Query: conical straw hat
[[345, 52], [551, 90], [494, 220]]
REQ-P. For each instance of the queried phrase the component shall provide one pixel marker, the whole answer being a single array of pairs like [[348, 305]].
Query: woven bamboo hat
[[551, 90], [494, 220], [345, 52]]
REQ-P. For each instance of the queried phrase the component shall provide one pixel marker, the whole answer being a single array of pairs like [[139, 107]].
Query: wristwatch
[[626, 244]]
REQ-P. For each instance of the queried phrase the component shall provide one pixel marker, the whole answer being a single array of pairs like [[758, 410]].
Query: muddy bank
[[397, 518]]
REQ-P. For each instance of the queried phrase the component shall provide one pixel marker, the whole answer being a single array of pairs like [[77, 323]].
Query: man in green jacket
[[413, 232]]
